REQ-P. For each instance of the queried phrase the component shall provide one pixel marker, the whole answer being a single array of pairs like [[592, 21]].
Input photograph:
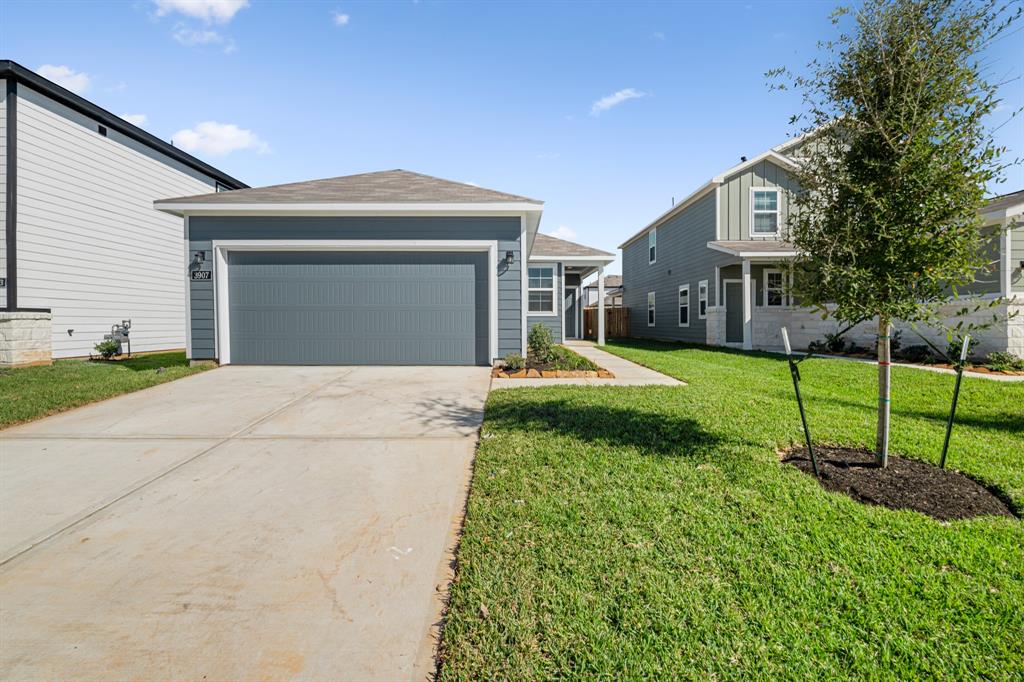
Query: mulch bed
[[904, 484], [968, 369]]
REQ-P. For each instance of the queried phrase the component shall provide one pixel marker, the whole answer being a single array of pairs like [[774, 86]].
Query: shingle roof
[[391, 186], [546, 245], [613, 281], [1004, 201]]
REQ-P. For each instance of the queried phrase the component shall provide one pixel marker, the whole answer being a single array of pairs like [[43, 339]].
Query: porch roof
[[764, 248]]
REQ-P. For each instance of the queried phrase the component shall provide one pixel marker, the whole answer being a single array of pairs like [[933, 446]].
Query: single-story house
[[83, 248], [385, 268], [612, 292], [711, 268]]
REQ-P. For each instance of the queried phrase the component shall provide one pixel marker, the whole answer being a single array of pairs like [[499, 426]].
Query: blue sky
[[503, 95]]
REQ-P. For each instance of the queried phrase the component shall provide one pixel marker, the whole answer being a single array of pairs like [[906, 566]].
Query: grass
[[28, 393], [638, 532]]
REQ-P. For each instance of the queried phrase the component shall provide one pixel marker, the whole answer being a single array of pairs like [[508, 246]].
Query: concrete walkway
[[246, 523], [626, 373], [1011, 378]]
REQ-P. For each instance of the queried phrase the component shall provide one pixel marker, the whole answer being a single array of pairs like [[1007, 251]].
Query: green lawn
[[651, 532], [32, 392]]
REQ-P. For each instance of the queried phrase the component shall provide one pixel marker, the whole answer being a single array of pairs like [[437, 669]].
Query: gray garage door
[[357, 308]]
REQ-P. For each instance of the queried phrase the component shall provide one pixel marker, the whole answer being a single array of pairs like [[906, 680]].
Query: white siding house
[[90, 249]]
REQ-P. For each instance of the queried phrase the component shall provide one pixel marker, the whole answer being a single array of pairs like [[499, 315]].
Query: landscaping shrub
[[1004, 362], [565, 359], [540, 344], [955, 346], [919, 353], [108, 348], [514, 362]]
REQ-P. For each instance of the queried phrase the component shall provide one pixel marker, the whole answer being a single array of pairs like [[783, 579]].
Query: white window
[[684, 305], [652, 246], [702, 299], [774, 289], [542, 290], [650, 308], [765, 209]]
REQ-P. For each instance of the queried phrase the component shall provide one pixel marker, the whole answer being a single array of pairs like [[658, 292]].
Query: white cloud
[[135, 119], [192, 37], [75, 81], [658, 35], [340, 19], [564, 232], [609, 101], [217, 139], [548, 156], [210, 11]]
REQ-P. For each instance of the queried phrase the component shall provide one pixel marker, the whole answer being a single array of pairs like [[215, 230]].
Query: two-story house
[[711, 269]]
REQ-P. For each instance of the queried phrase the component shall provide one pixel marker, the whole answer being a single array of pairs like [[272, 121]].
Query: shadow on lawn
[[1012, 423], [659, 432], [142, 363]]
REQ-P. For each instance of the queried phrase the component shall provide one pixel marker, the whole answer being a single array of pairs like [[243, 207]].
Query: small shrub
[[918, 353], [540, 343], [514, 362], [107, 348], [565, 359], [955, 346], [895, 341], [834, 343], [1004, 362]]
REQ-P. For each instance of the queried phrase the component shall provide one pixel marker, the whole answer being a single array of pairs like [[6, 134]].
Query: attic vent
[[102, 130]]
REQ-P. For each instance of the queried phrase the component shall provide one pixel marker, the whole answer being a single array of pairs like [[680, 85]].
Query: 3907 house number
[[201, 274]]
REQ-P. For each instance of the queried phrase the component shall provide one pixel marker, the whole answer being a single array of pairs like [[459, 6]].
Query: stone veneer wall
[[715, 325], [805, 326], [24, 339]]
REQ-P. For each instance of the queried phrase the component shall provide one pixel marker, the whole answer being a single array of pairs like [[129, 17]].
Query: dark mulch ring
[[904, 484]]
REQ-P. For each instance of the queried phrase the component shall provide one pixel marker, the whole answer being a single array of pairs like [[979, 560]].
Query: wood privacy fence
[[616, 322]]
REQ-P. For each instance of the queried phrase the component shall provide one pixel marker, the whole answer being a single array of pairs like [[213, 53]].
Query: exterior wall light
[[510, 257]]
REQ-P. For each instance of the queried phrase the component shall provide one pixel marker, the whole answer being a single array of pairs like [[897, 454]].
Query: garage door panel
[[358, 308]]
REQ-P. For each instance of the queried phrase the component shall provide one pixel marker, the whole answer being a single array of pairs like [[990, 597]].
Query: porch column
[[600, 305], [748, 320]]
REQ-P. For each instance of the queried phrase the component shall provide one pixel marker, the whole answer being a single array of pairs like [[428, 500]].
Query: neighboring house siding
[[204, 230], [682, 258], [90, 245], [3, 188], [1017, 257], [735, 198], [552, 322], [987, 280]]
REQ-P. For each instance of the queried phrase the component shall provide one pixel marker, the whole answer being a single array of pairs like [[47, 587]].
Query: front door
[[734, 312], [569, 319]]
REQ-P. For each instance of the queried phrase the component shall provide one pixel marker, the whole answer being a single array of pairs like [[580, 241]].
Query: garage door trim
[[221, 248]]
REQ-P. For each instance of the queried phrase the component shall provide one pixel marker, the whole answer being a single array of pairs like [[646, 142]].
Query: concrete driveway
[[247, 523]]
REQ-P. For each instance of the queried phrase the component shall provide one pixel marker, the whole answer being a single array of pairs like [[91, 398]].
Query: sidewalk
[[626, 373]]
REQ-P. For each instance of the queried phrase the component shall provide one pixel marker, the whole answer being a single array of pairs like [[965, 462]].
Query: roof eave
[[348, 208]]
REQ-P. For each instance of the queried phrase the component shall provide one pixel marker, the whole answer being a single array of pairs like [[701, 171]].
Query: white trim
[[346, 208], [679, 305], [188, 294], [718, 280], [523, 294], [561, 302], [770, 155], [777, 212], [600, 306], [748, 309], [222, 329], [653, 234], [753, 255], [554, 288], [785, 298], [718, 211], [652, 306], [1007, 264], [575, 260], [702, 284]]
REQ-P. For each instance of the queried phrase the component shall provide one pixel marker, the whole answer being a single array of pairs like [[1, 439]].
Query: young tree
[[895, 164]]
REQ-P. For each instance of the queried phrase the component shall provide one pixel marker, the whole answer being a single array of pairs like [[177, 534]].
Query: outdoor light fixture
[[510, 257], [200, 257]]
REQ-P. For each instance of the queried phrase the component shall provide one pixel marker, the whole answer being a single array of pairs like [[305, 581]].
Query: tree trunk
[[882, 439]]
